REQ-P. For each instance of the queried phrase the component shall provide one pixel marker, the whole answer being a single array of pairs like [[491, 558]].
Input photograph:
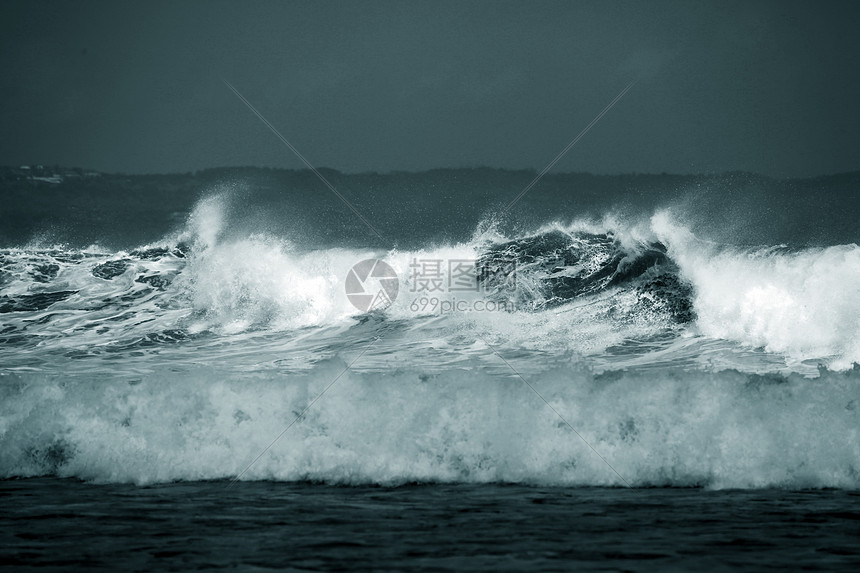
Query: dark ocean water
[[640, 373], [52, 524]]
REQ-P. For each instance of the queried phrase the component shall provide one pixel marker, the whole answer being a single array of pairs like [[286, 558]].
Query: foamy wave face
[[655, 428], [805, 304], [261, 282], [237, 282]]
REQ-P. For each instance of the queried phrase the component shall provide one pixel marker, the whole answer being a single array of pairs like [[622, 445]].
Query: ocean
[[234, 370]]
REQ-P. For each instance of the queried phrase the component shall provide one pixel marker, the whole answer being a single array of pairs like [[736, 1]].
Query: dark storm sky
[[770, 87]]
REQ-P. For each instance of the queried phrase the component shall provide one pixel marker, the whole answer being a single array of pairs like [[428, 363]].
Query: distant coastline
[[56, 174]]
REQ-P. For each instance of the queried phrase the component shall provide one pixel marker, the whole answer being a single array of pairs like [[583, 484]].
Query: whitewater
[[629, 351]]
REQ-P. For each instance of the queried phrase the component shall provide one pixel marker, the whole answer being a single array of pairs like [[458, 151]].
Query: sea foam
[[654, 428]]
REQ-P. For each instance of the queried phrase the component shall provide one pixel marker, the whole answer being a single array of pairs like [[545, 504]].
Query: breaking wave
[[682, 361]]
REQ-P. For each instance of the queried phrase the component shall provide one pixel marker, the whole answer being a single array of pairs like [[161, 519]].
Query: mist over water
[[417, 210], [683, 359]]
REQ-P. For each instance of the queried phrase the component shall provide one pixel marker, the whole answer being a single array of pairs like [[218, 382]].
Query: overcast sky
[[769, 87]]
